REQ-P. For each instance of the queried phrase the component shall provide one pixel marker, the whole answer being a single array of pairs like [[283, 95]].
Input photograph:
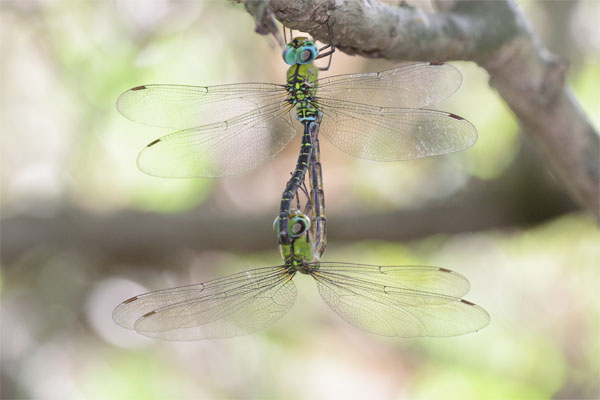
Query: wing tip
[[148, 314], [458, 117], [140, 162], [473, 134], [134, 298], [119, 315], [152, 143], [135, 89], [477, 308]]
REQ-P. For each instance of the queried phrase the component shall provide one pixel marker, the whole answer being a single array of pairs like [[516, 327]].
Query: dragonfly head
[[300, 50], [300, 250]]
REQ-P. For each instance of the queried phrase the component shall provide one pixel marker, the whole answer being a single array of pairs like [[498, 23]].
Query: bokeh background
[[83, 229]]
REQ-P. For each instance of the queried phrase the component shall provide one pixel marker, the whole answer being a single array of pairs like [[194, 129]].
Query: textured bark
[[493, 34]]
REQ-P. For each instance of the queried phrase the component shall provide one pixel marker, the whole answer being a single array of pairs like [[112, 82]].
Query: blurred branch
[[525, 195], [263, 18], [495, 35], [141, 236]]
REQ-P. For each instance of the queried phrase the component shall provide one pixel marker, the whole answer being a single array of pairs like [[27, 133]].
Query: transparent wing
[[410, 86], [393, 134], [221, 149], [182, 107], [405, 301], [235, 305]]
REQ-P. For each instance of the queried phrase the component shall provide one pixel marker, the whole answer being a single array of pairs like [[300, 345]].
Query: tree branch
[[525, 195], [495, 35], [149, 236]]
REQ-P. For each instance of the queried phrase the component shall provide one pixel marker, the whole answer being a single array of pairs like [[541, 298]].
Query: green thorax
[[297, 254], [302, 88], [300, 251]]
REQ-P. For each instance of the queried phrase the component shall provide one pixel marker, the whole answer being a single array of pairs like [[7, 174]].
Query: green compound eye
[[276, 226], [299, 224]]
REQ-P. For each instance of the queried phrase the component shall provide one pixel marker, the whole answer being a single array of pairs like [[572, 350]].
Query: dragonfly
[[402, 301], [226, 130]]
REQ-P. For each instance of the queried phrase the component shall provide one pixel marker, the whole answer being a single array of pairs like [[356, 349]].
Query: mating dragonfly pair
[[229, 129]]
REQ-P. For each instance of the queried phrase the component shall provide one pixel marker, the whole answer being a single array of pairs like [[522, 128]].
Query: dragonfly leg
[[330, 46]]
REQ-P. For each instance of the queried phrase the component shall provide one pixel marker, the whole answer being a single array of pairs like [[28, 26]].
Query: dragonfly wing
[[393, 134], [235, 305], [410, 86], [221, 149], [182, 106], [409, 277], [382, 300]]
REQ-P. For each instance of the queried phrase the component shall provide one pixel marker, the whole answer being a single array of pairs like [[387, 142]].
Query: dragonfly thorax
[[302, 90]]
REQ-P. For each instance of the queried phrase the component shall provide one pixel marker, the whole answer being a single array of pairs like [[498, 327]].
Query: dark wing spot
[[153, 143], [445, 269], [436, 63], [134, 298], [467, 302], [455, 117], [138, 88], [154, 312]]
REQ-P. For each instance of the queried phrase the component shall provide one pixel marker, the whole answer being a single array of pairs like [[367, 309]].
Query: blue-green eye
[[306, 53], [289, 55]]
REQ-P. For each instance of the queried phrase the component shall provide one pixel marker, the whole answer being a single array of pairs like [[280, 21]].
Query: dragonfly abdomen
[[295, 181]]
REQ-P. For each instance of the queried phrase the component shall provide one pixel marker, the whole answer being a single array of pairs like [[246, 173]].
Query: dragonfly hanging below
[[404, 301], [228, 129]]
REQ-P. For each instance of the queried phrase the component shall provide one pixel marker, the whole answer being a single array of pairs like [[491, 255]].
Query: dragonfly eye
[[289, 55], [299, 224], [308, 54], [276, 226]]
